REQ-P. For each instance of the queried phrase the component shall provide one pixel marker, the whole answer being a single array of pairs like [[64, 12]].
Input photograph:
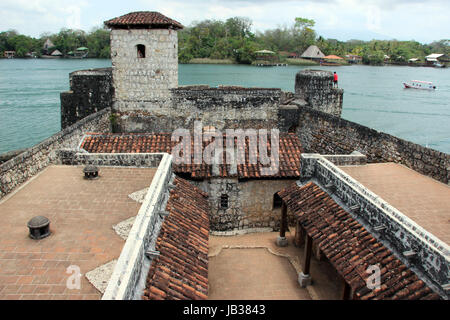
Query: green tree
[[246, 53], [231, 39], [68, 40], [98, 43], [5, 44], [238, 27], [21, 44], [304, 33], [373, 57]]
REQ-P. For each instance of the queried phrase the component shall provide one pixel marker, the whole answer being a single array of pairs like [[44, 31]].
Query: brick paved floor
[[422, 199], [81, 215], [260, 270]]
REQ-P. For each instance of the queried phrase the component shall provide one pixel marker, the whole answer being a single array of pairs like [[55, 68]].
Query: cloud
[[341, 19], [73, 20], [33, 17], [373, 21]]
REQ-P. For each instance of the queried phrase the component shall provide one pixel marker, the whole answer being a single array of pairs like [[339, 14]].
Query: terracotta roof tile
[[143, 19], [181, 270], [289, 152], [350, 248]]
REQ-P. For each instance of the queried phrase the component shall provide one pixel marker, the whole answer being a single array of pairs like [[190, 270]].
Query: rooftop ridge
[[288, 164], [350, 246], [143, 19]]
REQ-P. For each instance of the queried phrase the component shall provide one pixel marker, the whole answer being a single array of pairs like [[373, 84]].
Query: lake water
[[373, 96]]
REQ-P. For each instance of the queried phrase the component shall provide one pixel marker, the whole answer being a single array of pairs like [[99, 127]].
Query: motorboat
[[416, 84]]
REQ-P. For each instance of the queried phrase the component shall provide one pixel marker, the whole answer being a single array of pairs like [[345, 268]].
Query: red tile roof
[[143, 19], [350, 248], [289, 151], [181, 270]]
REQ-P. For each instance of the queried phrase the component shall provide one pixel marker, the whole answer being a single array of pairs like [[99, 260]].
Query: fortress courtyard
[[249, 266], [81, 215]]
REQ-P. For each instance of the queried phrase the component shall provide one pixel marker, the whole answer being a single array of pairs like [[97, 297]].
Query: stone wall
[[237, 107], [322, 133], [10, 154], [353, 159], [149, 78], [140, 160], [316, 88], [222, 107], [19, 169], [129, 275], [288, 118], [257, 203], [223, 219], [90, 91], [250, 203]]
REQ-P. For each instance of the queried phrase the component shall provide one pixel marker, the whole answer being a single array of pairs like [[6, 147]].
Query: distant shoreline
[[289, 61], [210, 61]]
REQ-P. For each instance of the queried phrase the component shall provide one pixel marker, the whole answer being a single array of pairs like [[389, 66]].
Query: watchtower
[[316, 88], [144, 56]]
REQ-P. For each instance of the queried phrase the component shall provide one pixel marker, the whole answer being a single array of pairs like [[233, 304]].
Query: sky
[[420, 20]]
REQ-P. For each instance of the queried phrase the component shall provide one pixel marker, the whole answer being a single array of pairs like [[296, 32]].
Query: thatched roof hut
[[48, 44], [265, 52], [56, 53], [313, 52]]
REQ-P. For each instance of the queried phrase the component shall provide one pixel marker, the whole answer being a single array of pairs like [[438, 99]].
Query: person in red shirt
[[335, 80]]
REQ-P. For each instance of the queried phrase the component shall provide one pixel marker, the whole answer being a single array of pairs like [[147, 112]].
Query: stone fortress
[[123, 116]]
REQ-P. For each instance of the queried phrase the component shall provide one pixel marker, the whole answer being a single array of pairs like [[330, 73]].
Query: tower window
[[224, 201], [140, 51], [277, 202], [292, 129]]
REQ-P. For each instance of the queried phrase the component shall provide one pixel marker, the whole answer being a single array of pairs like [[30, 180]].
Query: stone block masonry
[[90, 91], [138, 160], [222, 107], [225, 215], [316, 88], [148, 77], [257, 202], [323, 133], [249, 204]]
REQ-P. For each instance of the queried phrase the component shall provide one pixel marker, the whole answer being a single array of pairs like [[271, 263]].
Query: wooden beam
[[308, 251], [304, 278], [283, 225], [346, 291], [299, 234]]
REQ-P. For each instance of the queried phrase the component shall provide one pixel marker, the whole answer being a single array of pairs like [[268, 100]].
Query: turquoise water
[[374, 96]]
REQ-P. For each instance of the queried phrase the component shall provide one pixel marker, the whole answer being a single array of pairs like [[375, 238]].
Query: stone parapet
[[19, 169], [223, 107], [90, 91], [353, 159], [316, 88], [128, 279], [323, 133], [137, 160]]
